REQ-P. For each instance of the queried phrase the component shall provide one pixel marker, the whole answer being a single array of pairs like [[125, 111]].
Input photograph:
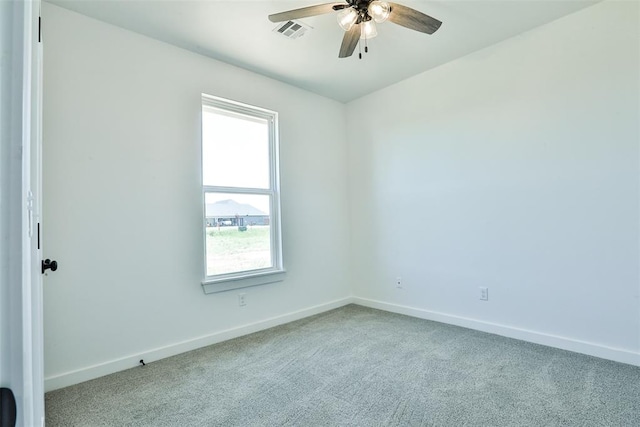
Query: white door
[[36, 411], [21, 349]]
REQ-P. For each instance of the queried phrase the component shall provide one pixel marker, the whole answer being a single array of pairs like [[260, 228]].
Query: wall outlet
[[399, 282], [484, 293], [242, 300]]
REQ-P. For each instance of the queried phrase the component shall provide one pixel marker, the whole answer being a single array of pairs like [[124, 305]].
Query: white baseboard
[[591, 349], [91, 372], [110, 367]]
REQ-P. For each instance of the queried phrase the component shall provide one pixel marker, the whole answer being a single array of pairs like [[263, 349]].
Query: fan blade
[[350, 41], [412, 19], [305, 12]]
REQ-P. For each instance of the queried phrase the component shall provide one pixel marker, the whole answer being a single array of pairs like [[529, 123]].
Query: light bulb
[[369, 30], [347, 18], [379, 11]]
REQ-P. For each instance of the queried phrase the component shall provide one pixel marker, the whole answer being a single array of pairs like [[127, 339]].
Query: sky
[[235, 153]]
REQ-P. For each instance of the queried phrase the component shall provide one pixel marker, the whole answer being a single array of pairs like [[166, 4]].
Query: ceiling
[[239, 33]]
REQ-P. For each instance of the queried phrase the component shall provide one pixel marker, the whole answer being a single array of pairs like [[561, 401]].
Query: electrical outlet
[[399, 282], [484, 293], [242, 300]]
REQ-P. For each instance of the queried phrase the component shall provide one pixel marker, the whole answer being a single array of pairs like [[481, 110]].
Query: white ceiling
[[239, 33]]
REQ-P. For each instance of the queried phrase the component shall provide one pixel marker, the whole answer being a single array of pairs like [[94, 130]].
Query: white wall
[[122, 199], [515, 168]]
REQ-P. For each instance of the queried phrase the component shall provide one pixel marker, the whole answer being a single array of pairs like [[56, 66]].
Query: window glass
[[235, 150], [238, 236]]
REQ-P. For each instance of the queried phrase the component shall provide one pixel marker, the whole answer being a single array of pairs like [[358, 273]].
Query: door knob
[[48, 264]]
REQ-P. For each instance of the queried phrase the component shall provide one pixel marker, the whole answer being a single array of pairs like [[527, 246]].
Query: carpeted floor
[[356, 366]]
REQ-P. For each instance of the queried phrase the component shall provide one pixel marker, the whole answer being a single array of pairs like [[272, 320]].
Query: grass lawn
[[230, 250]]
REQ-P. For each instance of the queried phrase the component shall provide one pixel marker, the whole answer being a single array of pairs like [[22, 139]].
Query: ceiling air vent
[[292, 29]]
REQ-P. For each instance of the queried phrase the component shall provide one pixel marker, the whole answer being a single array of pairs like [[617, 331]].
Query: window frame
[[245, 278]]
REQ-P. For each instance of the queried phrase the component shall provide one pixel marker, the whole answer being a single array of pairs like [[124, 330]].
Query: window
[[240, 193]]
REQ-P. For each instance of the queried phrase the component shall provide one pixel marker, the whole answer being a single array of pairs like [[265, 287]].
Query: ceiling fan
[[358, 19]]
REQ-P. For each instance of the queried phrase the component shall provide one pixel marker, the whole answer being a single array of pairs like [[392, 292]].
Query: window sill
[[239, 282]]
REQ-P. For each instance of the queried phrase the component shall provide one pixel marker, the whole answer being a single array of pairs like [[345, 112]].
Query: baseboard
[[110, 367], [591, 349]]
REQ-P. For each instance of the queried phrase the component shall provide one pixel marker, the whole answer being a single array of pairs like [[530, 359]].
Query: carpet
[[356, 366]]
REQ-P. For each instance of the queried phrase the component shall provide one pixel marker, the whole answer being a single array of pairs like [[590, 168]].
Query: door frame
[[21, 324]]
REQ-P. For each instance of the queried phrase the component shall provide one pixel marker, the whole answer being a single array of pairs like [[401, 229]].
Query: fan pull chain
[[360, 47], [366, 48]]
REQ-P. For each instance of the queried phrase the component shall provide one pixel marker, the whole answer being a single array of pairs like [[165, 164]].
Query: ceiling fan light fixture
[[368, 30], [347, 18], [379, 11]]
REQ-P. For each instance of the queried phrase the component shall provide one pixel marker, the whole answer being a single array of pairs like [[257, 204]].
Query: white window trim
[[229, 281]]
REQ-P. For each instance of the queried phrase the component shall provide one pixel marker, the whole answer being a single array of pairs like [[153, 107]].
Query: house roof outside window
[[230, 208]]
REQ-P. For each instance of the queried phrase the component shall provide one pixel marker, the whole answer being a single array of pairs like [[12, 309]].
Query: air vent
[[292, 29]]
